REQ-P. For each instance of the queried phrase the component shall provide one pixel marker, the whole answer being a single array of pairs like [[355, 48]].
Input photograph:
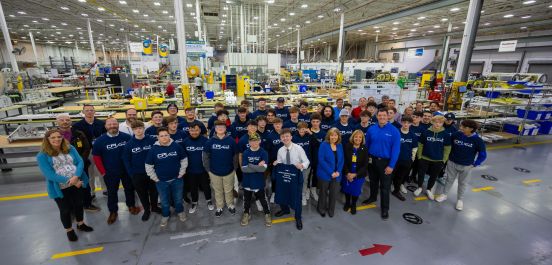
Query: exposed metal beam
[[397, 15]]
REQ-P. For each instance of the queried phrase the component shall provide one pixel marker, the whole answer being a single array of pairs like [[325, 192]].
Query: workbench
[[19, 149], [44, 103], [64, 91], [13, 107]]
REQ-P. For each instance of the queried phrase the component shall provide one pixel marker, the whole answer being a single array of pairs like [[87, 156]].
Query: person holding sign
[[290, 161]]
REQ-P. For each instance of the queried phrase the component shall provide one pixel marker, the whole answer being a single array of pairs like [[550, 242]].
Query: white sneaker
[[182, 216], [403, 189], [460, 205], [259, 206], [164, 221], [430, 195], [272, 198], [418, 191], [193, 208], [210, 205], [441, 198], [304, 201], [314, 193]]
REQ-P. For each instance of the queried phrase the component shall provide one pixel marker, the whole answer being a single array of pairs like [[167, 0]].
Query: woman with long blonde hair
[[62, 167]]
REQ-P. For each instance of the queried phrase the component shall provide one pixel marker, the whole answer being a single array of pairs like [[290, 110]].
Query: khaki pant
[[223, 187]]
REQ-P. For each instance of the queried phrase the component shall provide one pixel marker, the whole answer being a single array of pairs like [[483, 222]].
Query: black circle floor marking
[[411, 188], [523, 170], [412, 218], [489, 177]]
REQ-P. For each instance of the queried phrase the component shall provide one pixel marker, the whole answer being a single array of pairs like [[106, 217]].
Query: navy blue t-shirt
[[258, 113], [303, 141], [92, 131], [346, 131], [221, 153], [273, 144], [211, 121], [269, 127], [166, 160], [135, 154], [264, 137], [424, 126], [434, 144], [254, 181], [178, 137], [464, 149], [111, 149], [282, 113], [292, 126], [228, 132], [238, 129], [409, 141], [194, 151], [417, 130], [152, 131], [450, 129], [185, 127], [363, 129], [326, 124], [304, 118], [243, 143]]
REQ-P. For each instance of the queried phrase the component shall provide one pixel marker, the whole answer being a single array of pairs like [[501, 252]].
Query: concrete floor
[[511, 224]]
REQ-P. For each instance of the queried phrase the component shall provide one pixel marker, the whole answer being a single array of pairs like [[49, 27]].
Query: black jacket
[[81, 143], [362, 160], [91, 131]]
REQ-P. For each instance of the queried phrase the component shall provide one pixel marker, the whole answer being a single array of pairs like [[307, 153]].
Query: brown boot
[[134, 210], [112, 218]]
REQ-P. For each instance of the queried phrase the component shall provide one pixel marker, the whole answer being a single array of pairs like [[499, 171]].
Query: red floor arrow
[[377, 248]]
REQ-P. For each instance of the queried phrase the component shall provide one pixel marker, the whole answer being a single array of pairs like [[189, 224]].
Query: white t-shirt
[[63, 165]]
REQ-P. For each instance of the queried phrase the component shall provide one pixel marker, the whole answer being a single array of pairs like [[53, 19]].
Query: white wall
[[270, 61]]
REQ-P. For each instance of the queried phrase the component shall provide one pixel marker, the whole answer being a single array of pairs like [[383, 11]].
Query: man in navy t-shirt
[[261, 108], [291, 124], [344, 126], [282, 112], [304, 115], [467, 151], [190, 118], [108, 154]]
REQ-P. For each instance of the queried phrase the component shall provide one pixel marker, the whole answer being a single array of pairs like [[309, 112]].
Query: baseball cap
[[254, 137], [450, 116], [344, 112], [280, 99]]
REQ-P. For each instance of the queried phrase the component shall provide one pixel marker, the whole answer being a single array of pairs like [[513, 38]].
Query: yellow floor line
[[421, 198], [482, 189], [529, 181], [283, 220], [490, 148], [364, 207], [76, 253], [31, 196]]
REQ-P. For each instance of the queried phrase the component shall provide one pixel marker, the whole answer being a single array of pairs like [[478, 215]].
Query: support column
[[34, 48], [341, 43], [242, 31], [7, 39], [277, 46], [104, 55], [328, 52], [299, 48], [91, 39], [376, 51], [343, 49], [181, 36], [446, 48], [77, 53], [266, 29], [199, 35], [468, 40]]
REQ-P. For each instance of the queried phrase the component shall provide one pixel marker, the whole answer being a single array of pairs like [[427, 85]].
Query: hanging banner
[[507, 46], [163, 50], [148, 47], [136, 47], [196, 48]]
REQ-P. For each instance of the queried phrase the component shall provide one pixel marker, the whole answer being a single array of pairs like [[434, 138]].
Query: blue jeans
[[168, 190]]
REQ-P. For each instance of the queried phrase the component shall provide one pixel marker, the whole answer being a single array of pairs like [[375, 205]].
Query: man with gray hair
[[384, 102], [78, 140]]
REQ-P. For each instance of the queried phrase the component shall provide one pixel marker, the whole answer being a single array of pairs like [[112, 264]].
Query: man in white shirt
[[130, 116], [291, 154]]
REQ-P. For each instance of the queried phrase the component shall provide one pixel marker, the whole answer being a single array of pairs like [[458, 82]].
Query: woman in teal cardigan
[[62, 166], [330, 165]]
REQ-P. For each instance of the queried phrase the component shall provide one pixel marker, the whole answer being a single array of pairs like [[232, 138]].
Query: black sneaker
[[146, 215], [72, 236], [232, 211], [187, 200], [156, 210], [93, 197], [92, 208], [104, 193], [369, 201], [399, 195], [218, 213], [85, 228]]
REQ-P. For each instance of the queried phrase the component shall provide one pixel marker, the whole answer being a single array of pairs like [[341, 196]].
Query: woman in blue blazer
[[62, 166], [330, 165]]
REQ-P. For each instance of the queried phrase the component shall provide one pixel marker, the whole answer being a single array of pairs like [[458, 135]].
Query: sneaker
[[164, 221], [460, 205], [314, 194], [398, 195], [232, 210], [268, 220], [193, 208], [441, 198], [104, 193], [92, 208], [210, 205], [218, 213], [430, 195], [72, 236], [259, 206], [304, 202], [245, 219], [146, 216], [403, 189], [84, 228], [418, 191], [182, 217], [272, 198], [93, 197]]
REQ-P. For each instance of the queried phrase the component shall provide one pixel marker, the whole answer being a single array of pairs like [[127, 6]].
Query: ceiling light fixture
[[304, 6], [308, 22], [82, 1], [157, 4], [454, 9], [101, 8], [63, 24], [320, 16], [524, 17], [337, 9], [508, 15], [282, 19], [122, 2], [396, 23], [444, 19], [436, 26], [45, 19], [165, 12], [84, 15], [292, 14], [420, 18], [189, 5], [64, 8], [394, 28], [529, 2], [416, 24], [413, 30], [135, 10]]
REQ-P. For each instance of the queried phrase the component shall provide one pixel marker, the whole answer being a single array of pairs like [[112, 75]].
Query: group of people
[[304, 156]]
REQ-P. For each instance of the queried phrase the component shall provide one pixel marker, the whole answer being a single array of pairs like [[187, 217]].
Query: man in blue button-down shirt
[[384, 145]]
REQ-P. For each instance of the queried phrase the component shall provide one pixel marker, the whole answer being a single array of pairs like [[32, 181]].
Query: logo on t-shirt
[[253, 159], [403, 140], [140, 149], [115, 145], [276, 141], [165, 155], [221, 147], [194, 148], [461, 143], [435, 139]]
